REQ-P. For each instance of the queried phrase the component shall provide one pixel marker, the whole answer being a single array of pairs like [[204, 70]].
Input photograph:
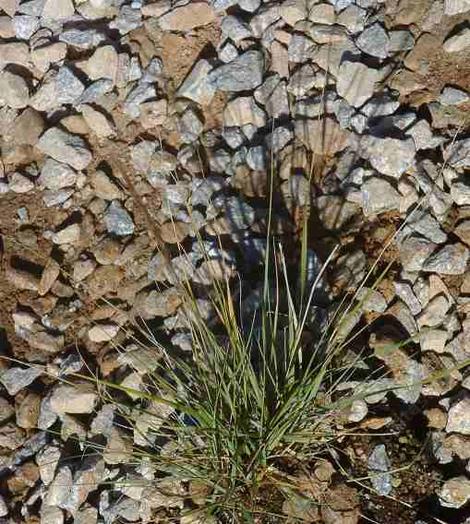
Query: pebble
[[243, 73], [68, 235], [65, 147]]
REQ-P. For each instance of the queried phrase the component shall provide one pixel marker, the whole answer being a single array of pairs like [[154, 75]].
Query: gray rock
[[378, 195], [457, 42], [15, 379], [451, 96], [239, 214], [434, 313], [127, 20], [390, 156], [301, 49], [55, 175], [458, 418], [401, 41], [414, 252], [356, 82], [65, 147], [379, 462], [94, 91], [196, 85], [117, 220], [82, 38], [423, 136], [374, 41], [405, 292], [227, 52], [245, 72], [426, 225], [141, 92], [235, 29], [458, 154], [449, 260], [249, 5], [460, 192], [353, 17], [68, 86], [25, 26], [190, 126], [380, 105]]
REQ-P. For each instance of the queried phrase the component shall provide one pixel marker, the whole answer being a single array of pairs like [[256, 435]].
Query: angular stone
[[451, 96], [378, 195], [25, 26], [15, 379], [187, 17], [55, 175], [379, 462], [99, 123], [374, 41], [243, 73], [117, 220], [242, 111], [196, 85], [65, 147], [414, 252], [390, 156], [103, 63], [323, 136], [356, 82], [78, 398], [449, 260], [103, 332], [458, 42], [43, 56], [458, 419]]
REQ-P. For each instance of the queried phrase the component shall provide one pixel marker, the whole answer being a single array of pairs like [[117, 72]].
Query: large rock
[[458, 419], [378, 195], [356, 82], [55, 175], [374, 41], [15, 379], [58, 9], [243, 73], [450, 260], [242, 111], [65, 147]]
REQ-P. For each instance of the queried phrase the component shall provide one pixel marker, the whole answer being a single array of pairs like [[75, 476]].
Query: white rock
[[458, 42], [99, 123]]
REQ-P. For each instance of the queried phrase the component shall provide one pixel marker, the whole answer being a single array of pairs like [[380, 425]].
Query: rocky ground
[[127, 128]]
